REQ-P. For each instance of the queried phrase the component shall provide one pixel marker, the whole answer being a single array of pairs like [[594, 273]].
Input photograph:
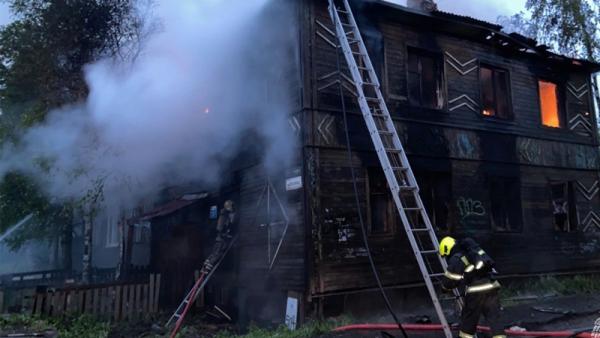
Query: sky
[[4, 14], [487, 10]]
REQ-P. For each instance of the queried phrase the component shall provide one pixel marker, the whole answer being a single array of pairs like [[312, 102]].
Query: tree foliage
[[43, 53], [569, 27]]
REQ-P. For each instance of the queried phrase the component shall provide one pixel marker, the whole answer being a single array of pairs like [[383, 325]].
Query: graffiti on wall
[[463, 144], [550, 153], [468, 207]]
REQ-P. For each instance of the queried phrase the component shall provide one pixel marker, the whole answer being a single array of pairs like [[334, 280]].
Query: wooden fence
[[112, 302]]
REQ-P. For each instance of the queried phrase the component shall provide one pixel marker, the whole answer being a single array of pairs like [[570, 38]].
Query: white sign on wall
[[291, 313], [293, 183]]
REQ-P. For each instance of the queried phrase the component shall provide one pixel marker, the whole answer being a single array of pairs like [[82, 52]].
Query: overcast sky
[[4, 14], [487, 10], [482, 9]]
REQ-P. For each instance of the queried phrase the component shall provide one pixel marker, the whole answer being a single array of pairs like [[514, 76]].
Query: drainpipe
[[596, 107]]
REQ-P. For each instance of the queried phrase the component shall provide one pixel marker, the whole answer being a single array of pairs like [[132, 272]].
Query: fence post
[[117, 303], [151, 295], [138, 301], [1, 301], [156, 294]]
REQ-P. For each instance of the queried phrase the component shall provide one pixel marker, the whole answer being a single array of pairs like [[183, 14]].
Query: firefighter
[[471, 270], [224, 235]]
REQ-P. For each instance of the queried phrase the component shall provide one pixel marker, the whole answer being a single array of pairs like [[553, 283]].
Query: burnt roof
[[476, 29]]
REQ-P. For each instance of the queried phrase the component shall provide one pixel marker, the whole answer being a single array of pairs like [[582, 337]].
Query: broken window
[[564, 209], [435, 189], [108, 219], [381, 206], [425, 79], [495, 93], [505, 203], [549, 104]]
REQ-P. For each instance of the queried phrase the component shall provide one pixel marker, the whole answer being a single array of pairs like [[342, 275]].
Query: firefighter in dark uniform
[[471, 269], [224, 236]]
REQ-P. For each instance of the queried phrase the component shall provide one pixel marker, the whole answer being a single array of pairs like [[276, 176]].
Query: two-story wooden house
[[501, 134]]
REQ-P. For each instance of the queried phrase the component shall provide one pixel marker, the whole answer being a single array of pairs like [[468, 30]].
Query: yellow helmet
[[446, 245]]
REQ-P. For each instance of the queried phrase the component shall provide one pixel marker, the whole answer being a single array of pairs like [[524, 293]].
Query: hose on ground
[[438, 327]]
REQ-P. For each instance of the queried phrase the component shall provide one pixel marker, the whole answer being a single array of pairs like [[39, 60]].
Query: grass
[[77, 327], [88, 327], [551, 285], [310, 329]]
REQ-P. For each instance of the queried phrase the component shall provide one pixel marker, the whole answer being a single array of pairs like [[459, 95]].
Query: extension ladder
[[397, 170], [191, 296]]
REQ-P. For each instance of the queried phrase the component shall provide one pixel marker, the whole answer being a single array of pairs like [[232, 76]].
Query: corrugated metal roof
[[172, 206], [465, 24], [467, 19]]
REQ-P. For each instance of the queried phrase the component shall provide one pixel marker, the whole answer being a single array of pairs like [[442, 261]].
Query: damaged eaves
[[476, 30], [173, 206]]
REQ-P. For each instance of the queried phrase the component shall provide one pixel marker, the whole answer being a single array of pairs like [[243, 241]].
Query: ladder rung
[[176, 315], [367, 84], [186, 301]]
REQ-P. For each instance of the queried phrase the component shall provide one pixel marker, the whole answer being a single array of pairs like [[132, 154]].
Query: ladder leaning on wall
[[391, 154]]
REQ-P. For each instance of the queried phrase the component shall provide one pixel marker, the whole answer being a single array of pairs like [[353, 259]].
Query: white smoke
[[179, 112]]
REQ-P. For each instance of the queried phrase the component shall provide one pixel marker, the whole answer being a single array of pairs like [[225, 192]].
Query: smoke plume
[[178, 113]]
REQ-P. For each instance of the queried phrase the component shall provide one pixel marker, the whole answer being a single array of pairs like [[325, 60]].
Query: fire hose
[[438, 327]]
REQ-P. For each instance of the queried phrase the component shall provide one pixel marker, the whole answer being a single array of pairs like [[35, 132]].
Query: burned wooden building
[[501, 134]]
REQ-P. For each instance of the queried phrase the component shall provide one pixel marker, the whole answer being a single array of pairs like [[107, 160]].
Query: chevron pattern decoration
[[463, 101], [333, 78], [591, 222], [324, 129], [294, 125], [582, 122], [577, 92], [463, 68], [588, 193]]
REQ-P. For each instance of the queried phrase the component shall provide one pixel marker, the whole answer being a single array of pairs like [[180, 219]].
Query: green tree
[[43, 53], [569, 27]]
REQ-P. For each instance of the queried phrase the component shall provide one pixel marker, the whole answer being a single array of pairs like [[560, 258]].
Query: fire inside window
[[495, 93], [549, 104]]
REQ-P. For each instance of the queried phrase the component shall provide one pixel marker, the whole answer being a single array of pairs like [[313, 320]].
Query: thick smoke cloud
[[178, 113]]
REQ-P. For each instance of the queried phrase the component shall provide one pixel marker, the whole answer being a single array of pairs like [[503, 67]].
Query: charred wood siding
[[462, 59], [457, 141], [288, 272]]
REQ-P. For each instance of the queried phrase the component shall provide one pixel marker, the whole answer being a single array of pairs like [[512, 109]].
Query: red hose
[[438, 327]]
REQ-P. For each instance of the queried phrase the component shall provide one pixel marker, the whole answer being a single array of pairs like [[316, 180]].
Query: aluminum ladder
[[183, 308], [397, 170]]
